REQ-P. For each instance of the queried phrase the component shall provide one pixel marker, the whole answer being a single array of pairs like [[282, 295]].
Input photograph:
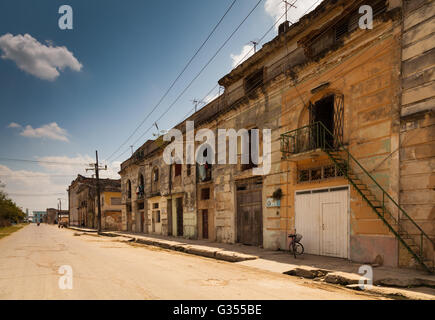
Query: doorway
[[321, 217], [179, 204], [323, 111], [142, 221], [169, 208], [205, 224], [330, 112], [249, 213]]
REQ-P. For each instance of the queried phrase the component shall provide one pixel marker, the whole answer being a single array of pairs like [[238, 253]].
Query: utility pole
[[59, 208], [97, 169]]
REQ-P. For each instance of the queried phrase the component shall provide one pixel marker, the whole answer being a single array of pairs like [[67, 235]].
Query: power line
[[34, 195], [173, 83], [243, 58], [42, 161], [199, 73]]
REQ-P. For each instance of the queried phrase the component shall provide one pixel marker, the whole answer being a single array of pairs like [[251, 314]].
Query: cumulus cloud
[[247, 51], [14, 125], [31, 56], [78, 165], [50, 181], [49, 131]]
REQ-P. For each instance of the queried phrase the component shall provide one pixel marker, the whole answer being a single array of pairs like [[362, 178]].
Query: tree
[[9, 211]]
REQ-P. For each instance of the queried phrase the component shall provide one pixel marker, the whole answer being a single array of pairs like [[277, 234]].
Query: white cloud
[[247, 51], [50, 131], [211, 97], [276, 9], [49, 180], [14, 125], [42, 61], [77, 165]]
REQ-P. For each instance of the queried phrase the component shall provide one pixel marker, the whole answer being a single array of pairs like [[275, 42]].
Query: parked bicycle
[[295, 247]]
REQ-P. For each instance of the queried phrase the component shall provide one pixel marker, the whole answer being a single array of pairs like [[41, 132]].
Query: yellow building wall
[[368, 79]]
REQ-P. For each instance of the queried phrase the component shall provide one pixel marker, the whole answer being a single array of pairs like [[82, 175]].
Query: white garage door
[[323, 221]]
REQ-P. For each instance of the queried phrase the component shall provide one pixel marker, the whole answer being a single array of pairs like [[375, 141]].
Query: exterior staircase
[[405, 229]]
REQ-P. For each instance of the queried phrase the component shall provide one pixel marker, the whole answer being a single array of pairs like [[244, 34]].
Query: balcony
[[307, 142]]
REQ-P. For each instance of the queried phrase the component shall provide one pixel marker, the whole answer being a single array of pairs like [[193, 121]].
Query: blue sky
[[112, 68]]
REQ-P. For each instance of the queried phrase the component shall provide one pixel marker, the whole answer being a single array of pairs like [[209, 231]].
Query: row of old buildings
[[350, 110]]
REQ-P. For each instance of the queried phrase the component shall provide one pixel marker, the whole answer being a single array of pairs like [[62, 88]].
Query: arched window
[[156, 174], [155, 180], [141, 187]]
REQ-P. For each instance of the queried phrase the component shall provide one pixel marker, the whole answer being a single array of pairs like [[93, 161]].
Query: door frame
[[347, 214], [248, 181]]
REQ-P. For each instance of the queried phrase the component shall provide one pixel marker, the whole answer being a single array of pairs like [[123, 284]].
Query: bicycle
[[295, 246]]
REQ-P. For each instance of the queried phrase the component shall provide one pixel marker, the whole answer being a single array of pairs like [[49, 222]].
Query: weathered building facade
[[350, 113], [82, 201]]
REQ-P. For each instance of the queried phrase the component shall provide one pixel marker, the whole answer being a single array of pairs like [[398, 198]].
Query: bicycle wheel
[[299, 249]]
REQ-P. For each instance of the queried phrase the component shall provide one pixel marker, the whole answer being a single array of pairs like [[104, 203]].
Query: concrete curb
[[82, 230], [197, 250], [393, 293], [390, 287]]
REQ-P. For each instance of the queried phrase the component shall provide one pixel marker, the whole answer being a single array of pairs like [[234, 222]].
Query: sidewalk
[[414, 284]]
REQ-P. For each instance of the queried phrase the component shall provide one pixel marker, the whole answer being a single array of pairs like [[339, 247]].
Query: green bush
[[9, 211]]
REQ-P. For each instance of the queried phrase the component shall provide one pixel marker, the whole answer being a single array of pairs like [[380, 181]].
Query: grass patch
[[5, 231]]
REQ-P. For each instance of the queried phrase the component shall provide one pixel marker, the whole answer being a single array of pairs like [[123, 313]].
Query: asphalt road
[[108, 268]]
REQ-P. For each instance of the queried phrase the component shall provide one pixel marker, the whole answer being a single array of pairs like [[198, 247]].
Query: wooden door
[[179, 217], [142, 221], [249, 214], [205, 224]]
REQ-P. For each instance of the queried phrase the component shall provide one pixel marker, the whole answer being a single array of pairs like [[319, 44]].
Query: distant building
[[53, 215], [82, 199], [39, 216]]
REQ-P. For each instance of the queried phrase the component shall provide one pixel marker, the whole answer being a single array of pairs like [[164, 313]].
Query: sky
[[65, 93]]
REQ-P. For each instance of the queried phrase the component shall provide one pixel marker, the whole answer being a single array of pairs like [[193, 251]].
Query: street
[[108, 268]]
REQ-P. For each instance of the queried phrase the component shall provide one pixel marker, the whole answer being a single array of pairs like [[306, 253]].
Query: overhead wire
[[175, 81], [196, 77]]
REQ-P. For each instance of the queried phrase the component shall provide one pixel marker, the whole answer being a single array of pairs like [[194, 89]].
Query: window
[[189, 169], [129, 189], [204, 171], [155, 205], [252, 145], [334, 34], [156, 175], [253, 81], [319, 173], [205, 194], [141, 187], [177, 169]]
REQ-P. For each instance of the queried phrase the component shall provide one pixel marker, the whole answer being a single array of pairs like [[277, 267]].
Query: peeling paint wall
[[364, 69]]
